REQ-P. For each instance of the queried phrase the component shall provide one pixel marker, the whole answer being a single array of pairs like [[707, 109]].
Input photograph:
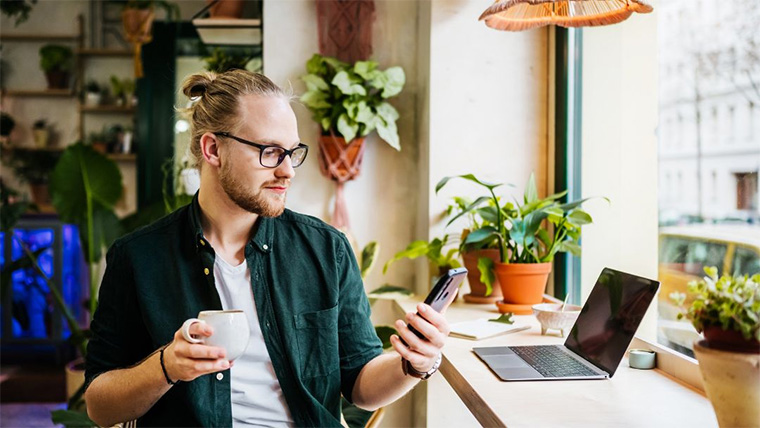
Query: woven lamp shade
[[520, 15]]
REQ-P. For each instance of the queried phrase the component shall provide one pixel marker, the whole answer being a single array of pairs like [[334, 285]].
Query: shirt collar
[[262, 240]]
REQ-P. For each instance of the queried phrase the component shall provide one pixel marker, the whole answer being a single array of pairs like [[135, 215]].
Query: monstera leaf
[[84, 187]]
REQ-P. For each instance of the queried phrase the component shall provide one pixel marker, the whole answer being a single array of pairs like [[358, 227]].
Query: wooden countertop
[[631, 398]]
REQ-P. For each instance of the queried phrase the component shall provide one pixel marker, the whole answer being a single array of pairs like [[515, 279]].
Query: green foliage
[[92, 86], [18, 9], [6, 124], [32, 166], [56, 58], [504, 318], [350, 100], [12, 207], [729, 302], [222, 60], [389, 292], [72, 419], [85, 186], [531, 232], [171, 8], [434, 250], [368, 258]]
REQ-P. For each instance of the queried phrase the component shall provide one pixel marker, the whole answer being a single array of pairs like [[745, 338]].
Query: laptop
[[597, 342]]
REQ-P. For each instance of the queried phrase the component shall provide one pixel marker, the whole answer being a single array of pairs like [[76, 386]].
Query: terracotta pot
[[339, 161], [729, 340], [57, 79], [732, 383], [138, 24], [523, 283], [477, 288], [40, 194], [227, 9], [100, 147]]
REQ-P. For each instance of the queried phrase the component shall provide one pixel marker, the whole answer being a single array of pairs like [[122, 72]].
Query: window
[[712, 208]]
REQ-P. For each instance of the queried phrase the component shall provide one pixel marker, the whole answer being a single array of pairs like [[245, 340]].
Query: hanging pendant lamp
[[520, 15]]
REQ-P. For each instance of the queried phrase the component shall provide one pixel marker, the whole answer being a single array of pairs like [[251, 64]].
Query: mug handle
[[186, 330]]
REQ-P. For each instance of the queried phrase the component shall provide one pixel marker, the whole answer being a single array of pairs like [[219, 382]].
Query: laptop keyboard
[[551, 361]]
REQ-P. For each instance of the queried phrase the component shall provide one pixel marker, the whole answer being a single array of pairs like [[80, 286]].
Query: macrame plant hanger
[[345, 32]]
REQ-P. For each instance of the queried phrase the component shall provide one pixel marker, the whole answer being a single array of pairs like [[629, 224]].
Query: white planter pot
[[92, 99], [190, 179], [732, 383]]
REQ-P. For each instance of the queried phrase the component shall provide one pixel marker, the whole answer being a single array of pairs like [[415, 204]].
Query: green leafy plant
[[56, 58], [18, 9], [171, 8], [731, 302], [436, 252], [523, 230], [7, 123], [222, 60], [350, 100], [32, 166], [39, 124], [92, 87]]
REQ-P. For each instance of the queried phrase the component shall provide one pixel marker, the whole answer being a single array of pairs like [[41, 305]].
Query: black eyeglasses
[[272, 156]]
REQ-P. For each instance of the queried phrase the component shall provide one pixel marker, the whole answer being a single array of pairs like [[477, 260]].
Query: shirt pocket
[[317, 337]]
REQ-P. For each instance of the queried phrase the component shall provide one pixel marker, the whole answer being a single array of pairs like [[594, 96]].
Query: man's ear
[[210, 147]]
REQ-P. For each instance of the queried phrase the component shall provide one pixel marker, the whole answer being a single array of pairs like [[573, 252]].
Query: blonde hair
[[216, 100]]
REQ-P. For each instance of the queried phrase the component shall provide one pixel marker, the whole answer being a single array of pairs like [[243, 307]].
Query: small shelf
[[33, 149], [107, 109], [105, 53], [39, 37], [38, 92], [122, 157]]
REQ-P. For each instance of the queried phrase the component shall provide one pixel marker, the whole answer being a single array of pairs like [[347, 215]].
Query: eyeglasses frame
[[263, 147]]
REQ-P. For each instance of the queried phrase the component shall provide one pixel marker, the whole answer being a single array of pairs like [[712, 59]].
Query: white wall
[[620, 151]]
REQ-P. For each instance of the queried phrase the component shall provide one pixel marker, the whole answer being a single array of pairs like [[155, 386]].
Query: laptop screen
[[610, 317]]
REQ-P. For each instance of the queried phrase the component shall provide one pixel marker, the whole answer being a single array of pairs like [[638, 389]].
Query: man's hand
[[186, 361], [421, 354]]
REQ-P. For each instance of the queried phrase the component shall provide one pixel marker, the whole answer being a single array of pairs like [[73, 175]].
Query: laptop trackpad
[[505, 361]]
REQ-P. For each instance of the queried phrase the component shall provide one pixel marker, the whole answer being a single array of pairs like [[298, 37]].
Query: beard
[[263, 204]]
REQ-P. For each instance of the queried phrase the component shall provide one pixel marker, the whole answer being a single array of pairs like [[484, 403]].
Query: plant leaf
[[389, 133], [389, 292], [368, 257], [315, 83], [481, 235], [504, 318], [412, 251], [395, 80], [72, 419], [366, 69], [531, 194], [347, 127], [487, 277], [471, 207], [346, 85], [315, 100], [384, 332]]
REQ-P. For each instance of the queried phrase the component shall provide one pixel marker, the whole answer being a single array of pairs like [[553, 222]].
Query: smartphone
[[442, 294]]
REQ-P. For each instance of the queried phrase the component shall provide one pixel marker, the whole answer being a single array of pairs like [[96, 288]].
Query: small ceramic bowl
[[550, 317]]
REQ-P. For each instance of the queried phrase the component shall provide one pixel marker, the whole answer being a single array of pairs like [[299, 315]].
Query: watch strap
[[408, 370]]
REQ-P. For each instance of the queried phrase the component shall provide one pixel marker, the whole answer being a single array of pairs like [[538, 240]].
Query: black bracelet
[[163, 367]]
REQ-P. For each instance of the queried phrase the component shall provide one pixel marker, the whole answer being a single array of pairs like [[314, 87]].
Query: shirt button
[[206, 271], [203, 242], [265, 246], [219, 376]]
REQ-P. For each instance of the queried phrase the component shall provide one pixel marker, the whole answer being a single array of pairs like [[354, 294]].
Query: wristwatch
[[411, 371]]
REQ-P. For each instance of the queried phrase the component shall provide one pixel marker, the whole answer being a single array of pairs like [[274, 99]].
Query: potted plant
[[726, 310], [528, 236], [18, 9], [117, 90], [34, 167], [92, 94], [349, 102], [98, 141], [478, 257], [40, 133], [7, 123], [440, 257], [222, 60], [137, 21], [57, 61]]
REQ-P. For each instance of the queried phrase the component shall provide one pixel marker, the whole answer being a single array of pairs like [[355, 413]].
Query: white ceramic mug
[[231, 331]]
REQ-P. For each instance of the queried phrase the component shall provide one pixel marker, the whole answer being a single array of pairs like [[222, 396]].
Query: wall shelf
[[39, 37], [38, 92], [105, 53], [107, 109], [122, 157]]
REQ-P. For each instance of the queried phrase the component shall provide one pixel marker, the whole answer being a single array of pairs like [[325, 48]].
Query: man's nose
[[285, 169]]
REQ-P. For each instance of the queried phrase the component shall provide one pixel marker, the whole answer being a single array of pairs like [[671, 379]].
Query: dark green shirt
[[310, 301]]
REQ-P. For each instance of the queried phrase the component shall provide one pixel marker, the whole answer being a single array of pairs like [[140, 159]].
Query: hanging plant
[[137, 20]]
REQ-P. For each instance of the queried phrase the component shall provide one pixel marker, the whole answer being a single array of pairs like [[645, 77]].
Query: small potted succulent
[[92, 94], [726, 310], [57, 61], [40, 133]]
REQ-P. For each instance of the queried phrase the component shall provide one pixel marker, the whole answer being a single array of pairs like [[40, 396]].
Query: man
[[237, 247]]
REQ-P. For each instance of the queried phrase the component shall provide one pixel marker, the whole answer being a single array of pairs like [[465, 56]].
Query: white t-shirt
[[257, 398]]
